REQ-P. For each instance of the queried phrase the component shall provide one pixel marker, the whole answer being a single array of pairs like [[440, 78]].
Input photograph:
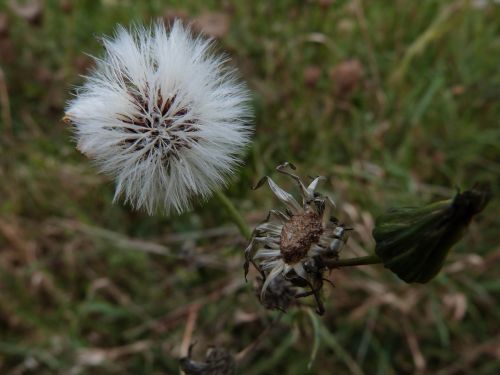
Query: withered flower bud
[[413, 242], [218, 361], [280, 294]]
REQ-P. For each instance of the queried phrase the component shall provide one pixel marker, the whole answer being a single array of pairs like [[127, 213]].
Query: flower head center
[[298, 234], [161, 126]]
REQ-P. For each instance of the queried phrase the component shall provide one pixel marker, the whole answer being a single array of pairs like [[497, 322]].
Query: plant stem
[[351, 262], [234, 214]]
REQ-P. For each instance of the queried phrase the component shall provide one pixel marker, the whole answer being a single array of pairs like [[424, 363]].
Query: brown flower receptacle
[[298, 235]]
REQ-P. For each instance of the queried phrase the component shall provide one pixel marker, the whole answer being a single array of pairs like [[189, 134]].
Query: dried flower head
[[293, 243], [162, 115]]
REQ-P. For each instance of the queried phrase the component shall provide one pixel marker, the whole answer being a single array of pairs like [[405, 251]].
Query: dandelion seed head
[[163, 115]]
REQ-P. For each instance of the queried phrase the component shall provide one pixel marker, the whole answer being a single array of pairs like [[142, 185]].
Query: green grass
[[87, 286]]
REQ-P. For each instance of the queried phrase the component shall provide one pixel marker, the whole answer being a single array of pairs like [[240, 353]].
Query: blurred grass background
[[396, 102]]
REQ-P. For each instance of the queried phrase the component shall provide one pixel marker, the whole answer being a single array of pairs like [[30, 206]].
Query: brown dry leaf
[[456, 305], [345, 26], [404, 303], [43, 75], [312, 74], [107, 289], [170, 15], [4, 24], [458, 90], [325, 4], [351, 211], [346, 77], [12, 231], [110, 3], [84, 63], [466, 262], [7, 54], [66, 6], [31, 10], [56, 99], [439, 158], [214, 24]]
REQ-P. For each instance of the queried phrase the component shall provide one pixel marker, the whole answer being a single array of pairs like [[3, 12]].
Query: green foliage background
[[91, 287]]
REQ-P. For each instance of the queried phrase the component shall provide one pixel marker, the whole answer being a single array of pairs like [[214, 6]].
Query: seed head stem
[[234, 214], [351, 262]]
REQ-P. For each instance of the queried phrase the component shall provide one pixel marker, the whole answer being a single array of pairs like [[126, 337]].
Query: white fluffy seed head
[[163, 116]]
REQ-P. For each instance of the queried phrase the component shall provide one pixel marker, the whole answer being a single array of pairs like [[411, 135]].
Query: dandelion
[[295, 242], [163, 116]]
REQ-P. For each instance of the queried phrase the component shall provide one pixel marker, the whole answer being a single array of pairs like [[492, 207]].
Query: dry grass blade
[[469, 356], [167, 321], [90, 357], [330, 340], [246, 353], [412, 339], [375, 71], [121, 241], [188, 331]]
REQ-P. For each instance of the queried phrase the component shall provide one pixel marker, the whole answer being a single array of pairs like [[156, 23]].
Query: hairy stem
[[351, 262], [234, 214]]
